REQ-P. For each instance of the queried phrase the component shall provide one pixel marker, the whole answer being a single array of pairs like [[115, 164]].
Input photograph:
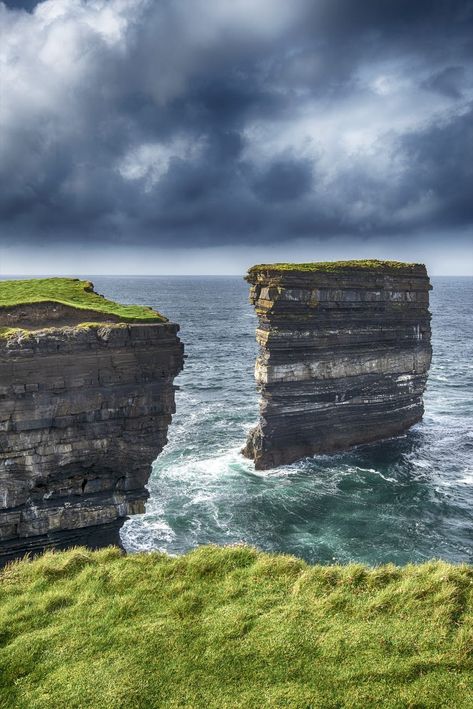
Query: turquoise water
[[402, 500]]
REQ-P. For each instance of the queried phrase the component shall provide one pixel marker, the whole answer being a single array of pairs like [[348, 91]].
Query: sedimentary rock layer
[[84, 411], [344, 355]]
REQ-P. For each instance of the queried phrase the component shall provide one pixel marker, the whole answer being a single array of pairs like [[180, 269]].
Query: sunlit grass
[[73, 293], [232, 627]]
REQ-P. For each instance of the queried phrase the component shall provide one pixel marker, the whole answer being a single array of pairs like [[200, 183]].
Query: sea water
[[401, 500]]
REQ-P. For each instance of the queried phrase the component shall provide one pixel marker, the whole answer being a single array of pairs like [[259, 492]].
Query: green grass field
[[232, 627], [74, 293], [331, 266]]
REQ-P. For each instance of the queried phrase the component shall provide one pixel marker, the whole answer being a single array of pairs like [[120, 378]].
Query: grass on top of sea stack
[[330, 266], [73, 293], [232, 627]]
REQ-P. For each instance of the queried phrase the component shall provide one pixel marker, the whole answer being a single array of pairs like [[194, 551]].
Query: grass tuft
[[232, 627]]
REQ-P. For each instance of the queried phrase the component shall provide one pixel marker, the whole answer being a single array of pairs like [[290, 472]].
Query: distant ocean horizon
[[402, 500], [140, 276]]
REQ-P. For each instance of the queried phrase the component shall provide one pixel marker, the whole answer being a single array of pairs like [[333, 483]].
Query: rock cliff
[[344, 355], [84, 410]]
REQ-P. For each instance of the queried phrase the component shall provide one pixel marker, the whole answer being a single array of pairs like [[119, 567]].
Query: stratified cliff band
[[84, 410], [344, 355]]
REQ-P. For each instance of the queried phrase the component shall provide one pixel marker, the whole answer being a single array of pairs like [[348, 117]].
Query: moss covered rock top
[[335, 266], [72, 293]]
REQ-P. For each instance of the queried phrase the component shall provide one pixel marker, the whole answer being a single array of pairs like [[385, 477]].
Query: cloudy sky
[[201, 136]]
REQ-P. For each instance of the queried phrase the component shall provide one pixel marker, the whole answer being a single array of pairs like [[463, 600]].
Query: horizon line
[[170, 275]]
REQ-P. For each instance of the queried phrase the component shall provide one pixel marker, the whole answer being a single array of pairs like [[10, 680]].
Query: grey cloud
[[27, 5], [157, 127], [439, 171], [284, 181], [447, 81]]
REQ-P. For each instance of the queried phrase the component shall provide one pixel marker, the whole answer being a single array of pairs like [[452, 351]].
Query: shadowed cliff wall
[[83, 413]]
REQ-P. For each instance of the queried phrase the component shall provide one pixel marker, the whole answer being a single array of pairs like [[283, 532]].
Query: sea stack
[[344, 355], [86, 398]]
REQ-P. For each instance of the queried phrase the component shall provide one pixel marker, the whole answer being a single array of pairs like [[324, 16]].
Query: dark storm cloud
[[440, 171], [27, 5], [284, 180], [447, 81], [202, 123]]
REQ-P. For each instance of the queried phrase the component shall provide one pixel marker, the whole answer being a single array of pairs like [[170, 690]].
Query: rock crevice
[[344, 355]]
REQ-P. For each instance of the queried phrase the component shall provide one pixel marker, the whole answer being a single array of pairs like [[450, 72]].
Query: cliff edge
[[344, 355], [86, 397]]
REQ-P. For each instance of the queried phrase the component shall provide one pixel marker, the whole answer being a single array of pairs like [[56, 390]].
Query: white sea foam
[[421, 463]]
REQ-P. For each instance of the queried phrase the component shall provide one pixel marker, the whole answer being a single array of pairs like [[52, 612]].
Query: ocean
[[402, 500]]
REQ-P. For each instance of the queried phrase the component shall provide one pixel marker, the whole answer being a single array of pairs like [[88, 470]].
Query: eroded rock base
[[102, 535]]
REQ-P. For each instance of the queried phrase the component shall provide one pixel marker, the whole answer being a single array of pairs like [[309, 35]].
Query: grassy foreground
[[74, 293], [232, 627]]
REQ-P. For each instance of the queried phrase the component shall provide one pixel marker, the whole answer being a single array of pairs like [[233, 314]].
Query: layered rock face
[[84, 411], [344, 355]]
